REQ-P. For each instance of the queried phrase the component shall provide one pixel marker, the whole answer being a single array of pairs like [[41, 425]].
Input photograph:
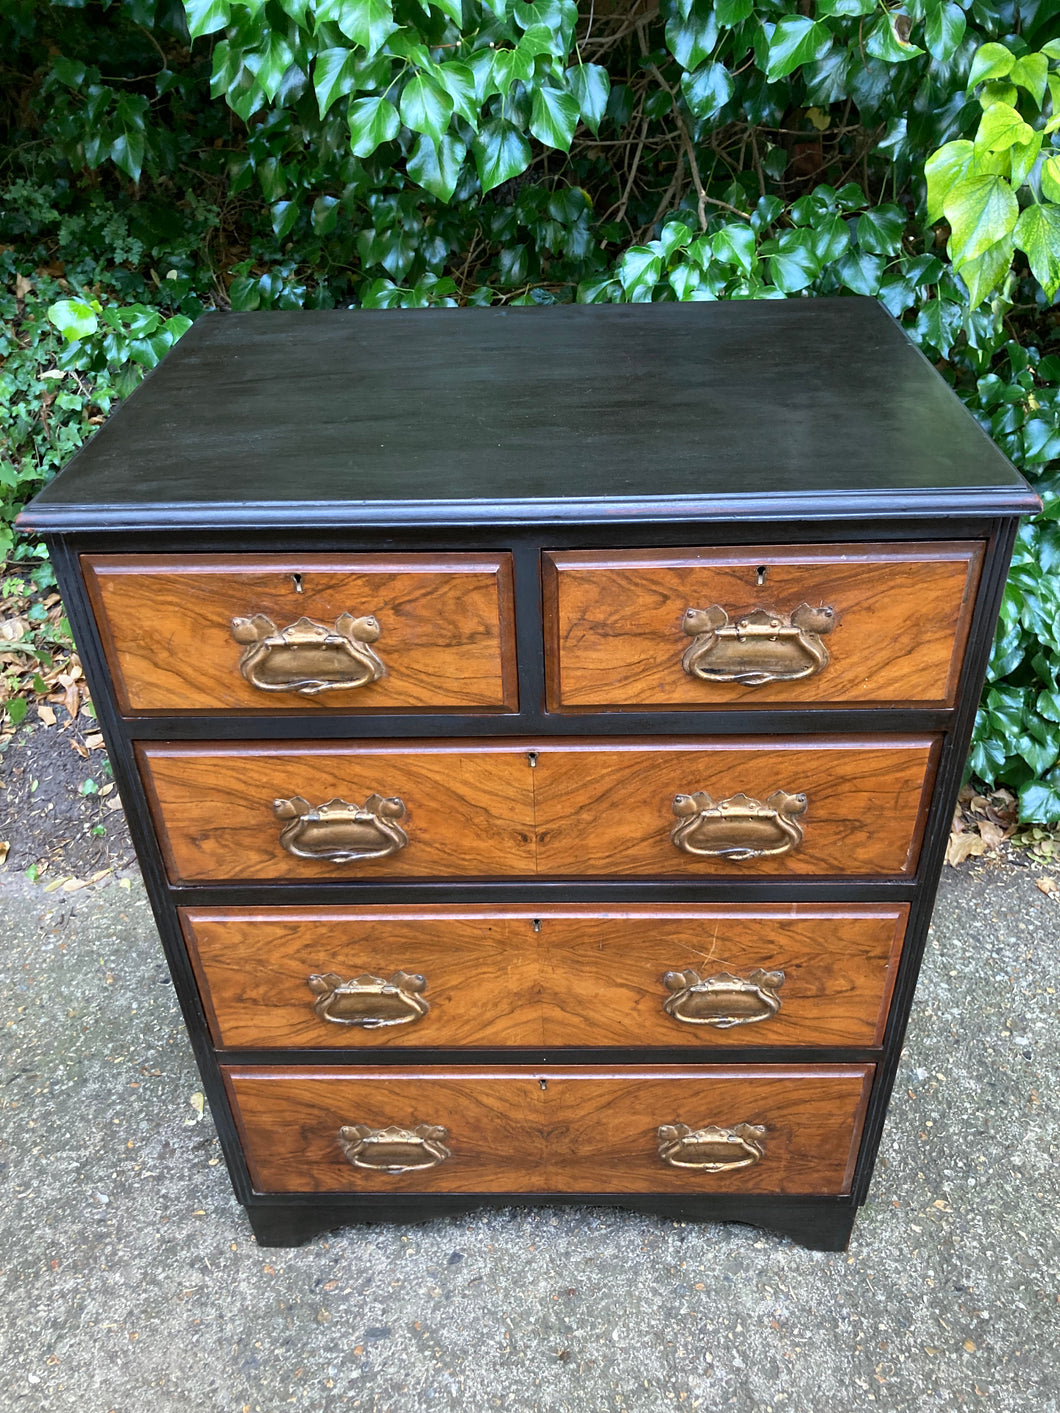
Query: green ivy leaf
[[372, 121], [206, 16], [985, 272], [691, 34], [880, 230], [284, 215], [830, 239], [1039, 803], [453, 8], [73, 318], [369, 23], [981, 210], [944, 30], [1022, 159], [883, 41], [1001, 127], [334, 75], [501, 152], [991, 61], [1051, 178], [732, 12], [845, 9], [590, 84], [707, 90], [436, 165], [861, 271], [458, 80], [553, 117], [639, 271], [735, 245], [1031, 72], [795, 40], [426, 107], [792, 266], [1038, 236]]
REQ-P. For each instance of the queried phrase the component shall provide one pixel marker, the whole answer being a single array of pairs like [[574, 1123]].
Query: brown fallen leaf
[[963, 846], [46, 714], [969, 1344], [77, 746], [1049, 886], [5, 849], [94, 740], [991, 833], [23, 285]]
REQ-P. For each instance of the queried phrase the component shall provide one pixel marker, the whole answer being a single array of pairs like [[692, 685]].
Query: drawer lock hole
[[296, 580], [760, 574]]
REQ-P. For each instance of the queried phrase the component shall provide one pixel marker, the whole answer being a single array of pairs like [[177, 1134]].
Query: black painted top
[[794, 409]]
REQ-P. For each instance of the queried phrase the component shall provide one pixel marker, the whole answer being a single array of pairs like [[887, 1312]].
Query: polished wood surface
[[446, 621], [469, 808], [581, 810], [545, 976], [550, 1130], [606, 810], [614, 637]]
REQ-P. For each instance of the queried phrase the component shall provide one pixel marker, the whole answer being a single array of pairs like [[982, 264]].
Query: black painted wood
[[782, 409], [649, 435], [821, 1224]]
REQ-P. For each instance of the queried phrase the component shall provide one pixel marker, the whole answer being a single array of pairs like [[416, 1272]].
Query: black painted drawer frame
[[822, 1222]]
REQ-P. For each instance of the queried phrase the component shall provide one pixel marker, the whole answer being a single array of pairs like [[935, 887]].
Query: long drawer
[[759, 625], [682, 1130], [478, 977], [715, 807], [307, 633]]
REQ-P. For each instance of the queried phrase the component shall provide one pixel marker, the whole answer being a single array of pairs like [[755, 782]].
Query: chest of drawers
[[539, 729]]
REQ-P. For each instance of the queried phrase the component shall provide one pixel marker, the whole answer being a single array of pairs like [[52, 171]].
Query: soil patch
[[59, 809]]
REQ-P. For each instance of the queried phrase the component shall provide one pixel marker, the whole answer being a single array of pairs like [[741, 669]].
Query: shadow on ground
[[131, 1281]]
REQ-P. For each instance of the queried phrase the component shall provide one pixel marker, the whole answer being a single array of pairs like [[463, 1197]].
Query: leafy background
[[160, 158]]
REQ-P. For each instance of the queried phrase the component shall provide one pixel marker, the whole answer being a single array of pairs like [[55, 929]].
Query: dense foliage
[[260, 154]]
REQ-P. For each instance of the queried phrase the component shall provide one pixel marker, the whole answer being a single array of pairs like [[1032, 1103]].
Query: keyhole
[[760, 574], [531, 759], [543, 1083], [296, 580], [536, 924]]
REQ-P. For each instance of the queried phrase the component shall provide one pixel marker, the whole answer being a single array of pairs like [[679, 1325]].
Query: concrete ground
[[131, 1281]]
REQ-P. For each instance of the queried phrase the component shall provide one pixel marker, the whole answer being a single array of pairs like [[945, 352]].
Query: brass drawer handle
[[341, 832], [712, 1150], [761, 646], [737, 828], [723, 1000], [308, 657], [394, 1150], [369, 1001]]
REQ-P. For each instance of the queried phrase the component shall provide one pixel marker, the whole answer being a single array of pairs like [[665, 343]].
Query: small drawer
[[265, 810], [766, 625], [486, 977], [350, 633], [697, 1130], [746, 807]]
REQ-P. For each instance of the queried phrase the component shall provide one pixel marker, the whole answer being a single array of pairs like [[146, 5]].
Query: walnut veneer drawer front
[[350, 633], [467, 977], [771, 1129], [805, 807], [293, 811], [767, 625], [747, 807]]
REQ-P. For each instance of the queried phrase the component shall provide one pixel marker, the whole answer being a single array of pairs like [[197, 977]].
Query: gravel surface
[[131, 1280]]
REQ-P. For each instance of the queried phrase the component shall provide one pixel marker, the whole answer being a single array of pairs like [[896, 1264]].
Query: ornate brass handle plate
[[369, 1001], [394, 1150], [341, 832], [308, 657], [723, 1000], [737, 828], [761, 646], [712, 1150]]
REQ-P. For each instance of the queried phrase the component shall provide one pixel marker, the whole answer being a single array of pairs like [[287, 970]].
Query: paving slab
[[130, 1279]]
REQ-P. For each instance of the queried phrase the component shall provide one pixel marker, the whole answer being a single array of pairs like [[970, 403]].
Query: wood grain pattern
[[585, 975], [585, 810], [614, 638], [551, 1130], [469, 807], [606, 810], [447, 624]]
